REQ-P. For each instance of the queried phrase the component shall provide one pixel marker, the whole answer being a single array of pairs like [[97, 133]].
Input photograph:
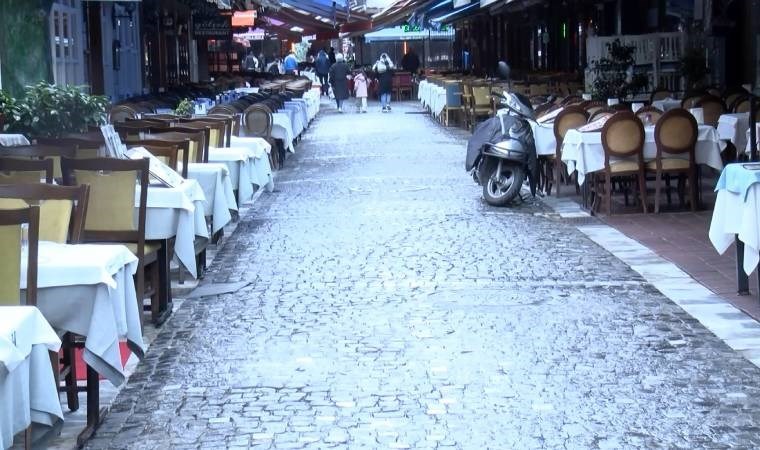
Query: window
[[66, 42]]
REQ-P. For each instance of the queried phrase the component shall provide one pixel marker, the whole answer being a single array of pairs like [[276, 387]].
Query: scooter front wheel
[[504, 184]]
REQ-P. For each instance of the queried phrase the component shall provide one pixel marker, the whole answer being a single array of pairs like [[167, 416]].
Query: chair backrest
[[600, 113], [571, 117], [197, 144], [257, 121], [217, 129], [231, 123], [62, 209], [623, 136], [741, 104], [649, 115], [481, 96], [691, 99], [732, 94], [86, 147], [660, 94], [111, 212], [223, 109], [120, 113], [11, 221], [26, 171], [167, 153], [676, 132], [713, 108], [572, 100]]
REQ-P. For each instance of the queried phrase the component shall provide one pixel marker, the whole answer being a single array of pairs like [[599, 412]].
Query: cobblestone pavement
[[390, 308]]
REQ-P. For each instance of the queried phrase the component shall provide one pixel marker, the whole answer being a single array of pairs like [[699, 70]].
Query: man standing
[[411, 62], [290, 65], [322, 67], [339, 80]]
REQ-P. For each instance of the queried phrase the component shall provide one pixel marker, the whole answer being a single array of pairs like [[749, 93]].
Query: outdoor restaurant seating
[[650, 115], [675, 134], [660, 94], [11, 221], [712, 107]]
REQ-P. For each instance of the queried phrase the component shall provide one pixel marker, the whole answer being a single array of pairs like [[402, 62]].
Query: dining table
[[583, 153], [28, 389], [736, 217], [258, 150], [667, 104], [216, 183]]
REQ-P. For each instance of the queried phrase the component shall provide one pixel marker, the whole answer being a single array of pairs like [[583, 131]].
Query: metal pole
[[752, 127]]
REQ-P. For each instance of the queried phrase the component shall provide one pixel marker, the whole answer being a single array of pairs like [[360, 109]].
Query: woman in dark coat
[[339, 80], [384, 70]]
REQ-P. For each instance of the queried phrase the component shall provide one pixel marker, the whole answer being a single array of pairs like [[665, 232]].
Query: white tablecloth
[[666, 104], [78, 301], [313, 99], [543, 135], [747, 139], [300, 117], [282, 128], [735, 216], [13, 140], [215, 181], [177, 212], [583, 152], [432, 96], [237, 162], [732, 127], [258, 153], [28, 390]]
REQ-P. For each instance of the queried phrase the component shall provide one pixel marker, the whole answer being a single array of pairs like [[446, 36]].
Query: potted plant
[[185, 108], [6, 110], [48, 110], [693, 67], [614, 75]]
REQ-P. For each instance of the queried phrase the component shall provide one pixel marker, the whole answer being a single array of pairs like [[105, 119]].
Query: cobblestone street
[[389, 307]]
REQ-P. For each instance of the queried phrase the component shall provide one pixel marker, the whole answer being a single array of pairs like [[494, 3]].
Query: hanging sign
[[215, 27]]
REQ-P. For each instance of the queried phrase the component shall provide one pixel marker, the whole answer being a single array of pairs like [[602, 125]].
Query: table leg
[[93, 406], [164, 285], [742, 280]]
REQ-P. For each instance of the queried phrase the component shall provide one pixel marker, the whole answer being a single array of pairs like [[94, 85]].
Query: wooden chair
[[571, 117], [740, 105], [61, 211], [197, 151], [11, 221], [173, 152], [572, 100], [660, 94], [37, 151], [120, 113], [232, 123], [480, 105], [649, 115], [732, 94], [623, 142], [223, 109], [592, 106], [691, 98], [217, 129], [257, 122], [111, 214], [713, 108], [26, 171], [675, 134]]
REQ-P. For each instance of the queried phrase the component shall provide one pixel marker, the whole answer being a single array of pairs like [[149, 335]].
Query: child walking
[[360, 89]]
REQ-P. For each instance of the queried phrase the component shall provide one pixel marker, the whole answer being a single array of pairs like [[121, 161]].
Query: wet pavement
[[390, 308]]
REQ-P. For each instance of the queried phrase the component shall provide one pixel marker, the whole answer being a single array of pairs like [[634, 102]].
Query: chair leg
[[657, 181], [608, 193], [642, 182], [28, 438], [693, 190], [557, 174], [667, 189], [70, 380]]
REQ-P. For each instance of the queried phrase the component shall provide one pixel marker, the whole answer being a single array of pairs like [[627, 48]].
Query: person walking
[[411, 62], [339, 80], [322, 67], [361, 85], [384, 70], [331, 55], [290, 65]]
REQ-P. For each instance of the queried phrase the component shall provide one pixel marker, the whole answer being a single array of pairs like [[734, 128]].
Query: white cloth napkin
[[13, 140]]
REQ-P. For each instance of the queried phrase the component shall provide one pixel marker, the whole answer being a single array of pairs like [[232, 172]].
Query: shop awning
[[404, 34]]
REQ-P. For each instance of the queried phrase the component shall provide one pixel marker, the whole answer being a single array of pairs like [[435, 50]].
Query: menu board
[[159, 172], [114, 148], [596, 125]]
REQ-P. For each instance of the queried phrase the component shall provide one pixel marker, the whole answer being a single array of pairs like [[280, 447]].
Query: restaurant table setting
[[300, 117], [732, 127], [583, 151], [282, 128], [238, 163], [313, 99], [737, 212], [177, 212], [258, 151], [214, 180], [543, 136], [89, 290], [13, 140], [295, 119], [28, 389], [666, 104]]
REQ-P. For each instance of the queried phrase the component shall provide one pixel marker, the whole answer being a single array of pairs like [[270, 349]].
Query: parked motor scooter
[[501, 152]]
